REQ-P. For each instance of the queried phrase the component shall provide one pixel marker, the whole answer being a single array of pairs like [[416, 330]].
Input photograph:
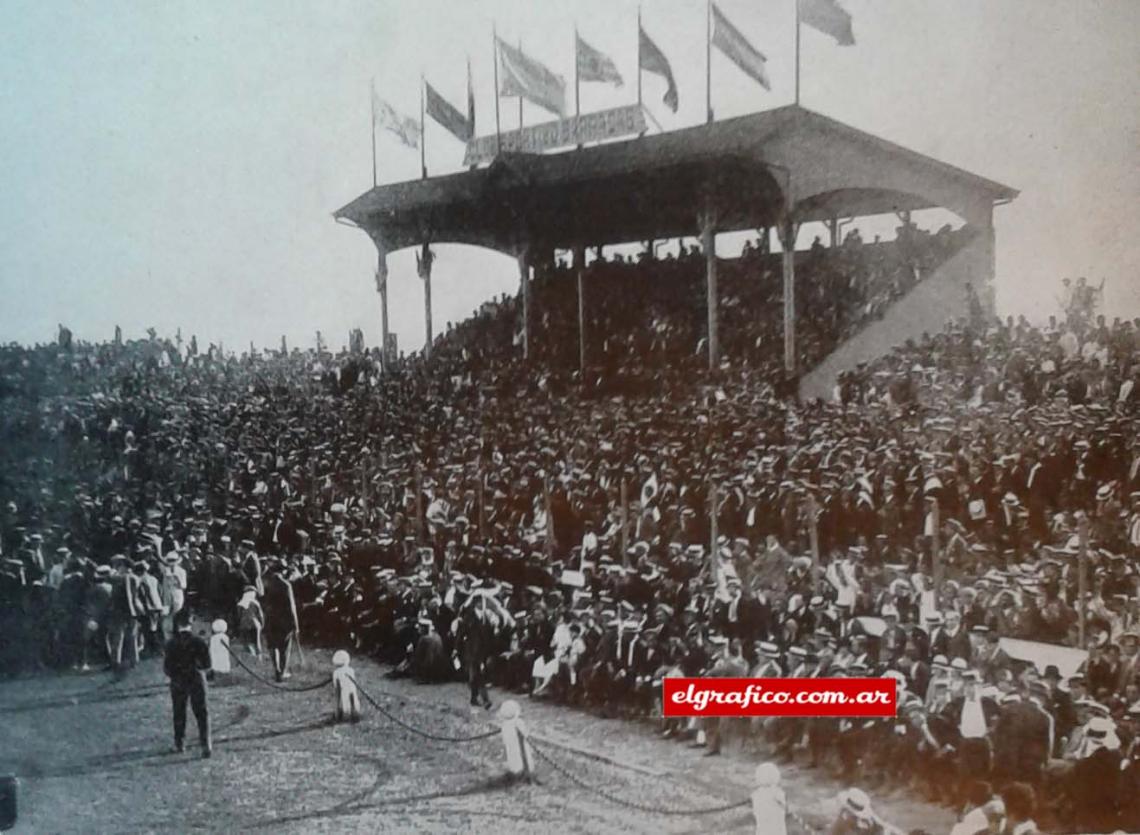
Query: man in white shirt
[[969, 712]]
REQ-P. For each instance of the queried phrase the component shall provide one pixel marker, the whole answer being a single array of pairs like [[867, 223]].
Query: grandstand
[[776, 169]]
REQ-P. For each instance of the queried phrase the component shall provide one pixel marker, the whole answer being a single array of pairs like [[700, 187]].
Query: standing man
[[174, 584], [122, 617], [281, 623], [187, 661]]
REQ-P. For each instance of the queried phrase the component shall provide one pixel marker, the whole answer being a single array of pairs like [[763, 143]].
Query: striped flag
[[594, 65], [406, 128], [527, 78], [651, 59], [727, 39], [447, 115], [828, 17]]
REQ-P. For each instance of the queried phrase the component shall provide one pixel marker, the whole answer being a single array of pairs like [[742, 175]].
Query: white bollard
[[769, 805], [520, 758], [219, 648], [344, 686]]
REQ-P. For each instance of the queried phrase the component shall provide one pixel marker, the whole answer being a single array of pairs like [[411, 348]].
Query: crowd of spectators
[[930, 525], [651, 312]]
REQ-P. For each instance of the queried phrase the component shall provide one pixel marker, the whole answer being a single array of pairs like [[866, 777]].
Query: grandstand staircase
[[927, 308]]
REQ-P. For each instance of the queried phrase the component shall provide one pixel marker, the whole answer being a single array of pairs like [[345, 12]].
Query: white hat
[[219, 627], [767, 774], [509, 709], [856, 802], [340, 658]]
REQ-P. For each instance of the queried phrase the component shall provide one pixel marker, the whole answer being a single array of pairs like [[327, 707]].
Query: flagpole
[[577, 91], [372, 102], [708, 60], [495, 53], [639, 55], [797, 2], [423, 133], [470, 97]]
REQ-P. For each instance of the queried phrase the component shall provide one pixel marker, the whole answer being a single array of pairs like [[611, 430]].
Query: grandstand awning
[[656, 186]]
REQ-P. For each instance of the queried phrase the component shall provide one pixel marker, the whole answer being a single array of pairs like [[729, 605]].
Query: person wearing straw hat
[[856, 817]]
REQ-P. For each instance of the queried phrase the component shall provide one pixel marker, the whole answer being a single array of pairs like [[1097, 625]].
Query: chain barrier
[[415, 730], [537, 747], [274, 684], [631, 804], [803, 824]]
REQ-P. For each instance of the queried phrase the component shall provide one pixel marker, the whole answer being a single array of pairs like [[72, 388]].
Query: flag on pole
[[406, 128], [443, 112], [594, 65], [527, 78], [651, 59], [727, 39], [828, 17], [470, 99]]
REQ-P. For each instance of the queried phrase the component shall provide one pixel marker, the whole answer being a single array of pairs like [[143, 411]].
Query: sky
[[176, 164]]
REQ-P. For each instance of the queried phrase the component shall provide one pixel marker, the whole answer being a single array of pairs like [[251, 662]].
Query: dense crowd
[[650, 312], [476, 517]]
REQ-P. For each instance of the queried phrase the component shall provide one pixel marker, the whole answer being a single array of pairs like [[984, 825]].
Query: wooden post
[[524, 291], [482, 509], [364, 488], [813, 534], [581, 323], [419, 506], [624, 525], [714, 557], [423, 266], [1082, 575], [314, 475], [788, 240], [546, 503], [708, 241], [936, 549], [382, 290]]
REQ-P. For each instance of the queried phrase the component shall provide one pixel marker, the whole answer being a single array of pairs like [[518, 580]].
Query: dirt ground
[[95, 756]]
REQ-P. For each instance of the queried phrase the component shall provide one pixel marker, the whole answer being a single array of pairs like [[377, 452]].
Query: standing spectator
[[123, 616], [281, 624], [186, 664]]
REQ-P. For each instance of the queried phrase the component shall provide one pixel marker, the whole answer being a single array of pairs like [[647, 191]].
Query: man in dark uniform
[[186, 663], [281, 623]]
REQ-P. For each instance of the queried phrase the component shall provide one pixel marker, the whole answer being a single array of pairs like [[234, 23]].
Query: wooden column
[[624, 524], [714, 556], [708, 242], [936, 548], [787, 229], [1082, 576], [524, 292], [581, 321], [423, 267], [813, 534]]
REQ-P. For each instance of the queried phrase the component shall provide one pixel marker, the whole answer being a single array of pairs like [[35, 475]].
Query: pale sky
[[177, 163]]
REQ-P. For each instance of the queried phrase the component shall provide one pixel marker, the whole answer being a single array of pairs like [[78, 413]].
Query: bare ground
[[94, 756]]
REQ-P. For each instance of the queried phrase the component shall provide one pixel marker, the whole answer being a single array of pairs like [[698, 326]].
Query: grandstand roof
[[655, 187]]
